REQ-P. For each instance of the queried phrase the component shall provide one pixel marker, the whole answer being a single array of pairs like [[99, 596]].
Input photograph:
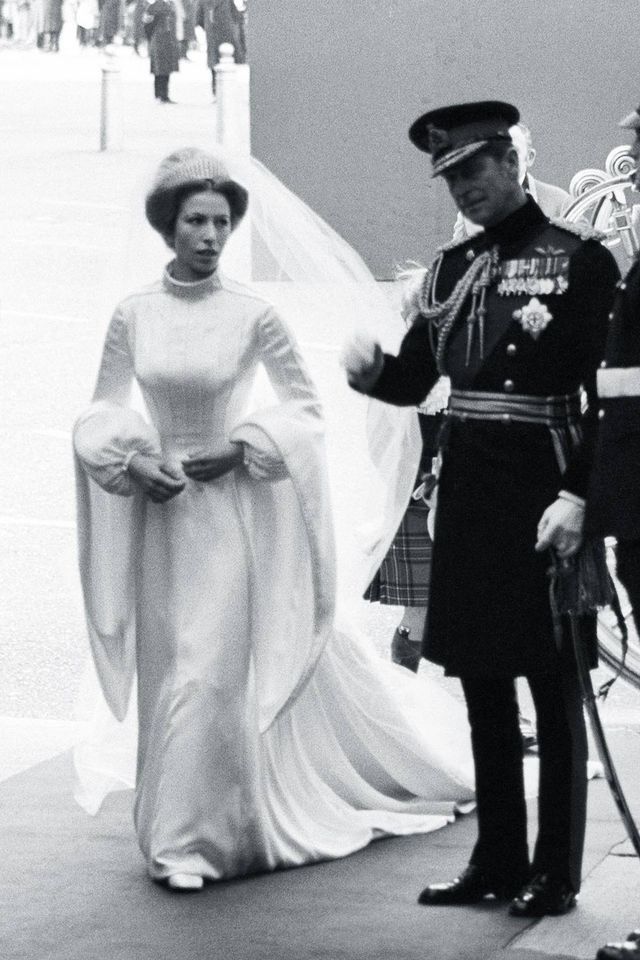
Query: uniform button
[[470, 255], [600, 414], [603, 364], [508, 386], [611, 315], [621, 285], [511, 350], [506, 418]]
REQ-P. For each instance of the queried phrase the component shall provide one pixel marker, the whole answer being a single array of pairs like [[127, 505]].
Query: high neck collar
[[513, 228], [190, 289]]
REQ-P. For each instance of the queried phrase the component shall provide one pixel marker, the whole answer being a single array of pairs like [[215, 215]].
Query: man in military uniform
[[613, 504], [516, 317]]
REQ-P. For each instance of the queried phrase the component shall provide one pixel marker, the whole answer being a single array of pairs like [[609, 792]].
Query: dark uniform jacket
[[489, 609], [613, 506]]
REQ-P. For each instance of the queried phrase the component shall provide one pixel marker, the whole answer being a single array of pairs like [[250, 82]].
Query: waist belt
[[618, 382], [550, 411]]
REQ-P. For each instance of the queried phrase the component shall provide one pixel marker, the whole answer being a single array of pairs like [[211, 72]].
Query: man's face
[[484, 189]]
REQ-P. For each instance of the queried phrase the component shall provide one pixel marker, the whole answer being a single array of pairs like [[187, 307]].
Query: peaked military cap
[[631, 121], [451, 134]]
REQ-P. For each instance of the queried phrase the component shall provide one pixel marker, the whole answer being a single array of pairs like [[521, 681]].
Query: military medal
[[533, 317], [535, 276]]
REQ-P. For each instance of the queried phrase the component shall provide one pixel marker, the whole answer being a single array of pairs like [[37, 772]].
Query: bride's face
[[203, 226]]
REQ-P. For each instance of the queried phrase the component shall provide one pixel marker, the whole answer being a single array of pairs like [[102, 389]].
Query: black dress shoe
[[544, 896], [405, 651], [629, 950], [472, 886]]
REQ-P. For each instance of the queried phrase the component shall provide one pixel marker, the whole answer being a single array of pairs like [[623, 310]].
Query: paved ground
[[66, 256]]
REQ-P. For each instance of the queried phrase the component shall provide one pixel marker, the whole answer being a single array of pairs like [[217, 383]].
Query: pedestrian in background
[[161, 27], [223, 21], [88, 18], [139, 26], [111, 20], [52, 25], [24, 34]]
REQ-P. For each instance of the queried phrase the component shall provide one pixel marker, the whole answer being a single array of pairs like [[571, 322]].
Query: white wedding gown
[[268, 737]]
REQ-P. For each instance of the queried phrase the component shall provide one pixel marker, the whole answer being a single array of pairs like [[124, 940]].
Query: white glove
[[560, 527], [362, 359]]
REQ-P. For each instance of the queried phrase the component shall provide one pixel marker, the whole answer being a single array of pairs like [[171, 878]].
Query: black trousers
[[161, 87], [502, 846], [628, 570]]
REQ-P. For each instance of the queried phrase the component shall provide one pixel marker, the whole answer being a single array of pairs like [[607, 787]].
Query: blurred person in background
[[223, 21], [52, 25], [25, 31], [162, 27], [88, 18]]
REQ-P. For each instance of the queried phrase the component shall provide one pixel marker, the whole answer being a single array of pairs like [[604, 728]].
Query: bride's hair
[[184, 172]]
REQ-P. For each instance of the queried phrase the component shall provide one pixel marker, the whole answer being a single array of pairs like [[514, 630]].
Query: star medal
[[533, 317]]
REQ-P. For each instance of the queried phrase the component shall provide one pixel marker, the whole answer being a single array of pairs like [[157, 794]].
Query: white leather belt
[[618, 382]]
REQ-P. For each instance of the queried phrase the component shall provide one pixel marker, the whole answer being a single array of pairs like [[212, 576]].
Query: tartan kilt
[[404, 574]]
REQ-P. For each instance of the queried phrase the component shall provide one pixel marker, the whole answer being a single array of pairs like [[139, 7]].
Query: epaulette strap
[[452, 244], [581, 229], [412, 281]]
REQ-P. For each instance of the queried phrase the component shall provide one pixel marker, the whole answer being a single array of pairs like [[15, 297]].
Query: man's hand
[[159, 479], [560, 528], [205, 467], [363, 360]]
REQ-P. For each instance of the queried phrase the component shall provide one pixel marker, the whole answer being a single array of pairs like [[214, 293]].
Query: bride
[[269, 733]]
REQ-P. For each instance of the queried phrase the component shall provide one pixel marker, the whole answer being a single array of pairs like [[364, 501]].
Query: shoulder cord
[[444, 315]]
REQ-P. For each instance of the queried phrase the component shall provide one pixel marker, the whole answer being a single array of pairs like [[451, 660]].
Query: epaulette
[[413, 281], [579, 229], [452, 244]]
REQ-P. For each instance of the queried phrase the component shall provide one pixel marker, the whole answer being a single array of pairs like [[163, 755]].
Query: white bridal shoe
[[185, 881]]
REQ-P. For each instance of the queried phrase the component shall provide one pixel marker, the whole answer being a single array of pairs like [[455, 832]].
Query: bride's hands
[[205, 467], [159, 479]]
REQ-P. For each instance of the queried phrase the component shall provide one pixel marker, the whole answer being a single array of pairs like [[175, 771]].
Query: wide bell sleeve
[[288, 525], [108, 526]]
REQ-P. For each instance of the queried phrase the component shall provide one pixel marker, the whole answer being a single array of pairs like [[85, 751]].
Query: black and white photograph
[[320, 528]]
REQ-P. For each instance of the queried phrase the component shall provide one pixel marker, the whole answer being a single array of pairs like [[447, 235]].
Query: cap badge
[[533, 317], [438, 139]]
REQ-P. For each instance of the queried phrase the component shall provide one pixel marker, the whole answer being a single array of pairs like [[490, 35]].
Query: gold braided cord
[[444, 315]]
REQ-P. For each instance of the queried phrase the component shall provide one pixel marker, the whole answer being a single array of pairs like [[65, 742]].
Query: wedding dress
[[239, 694], [267, 735]]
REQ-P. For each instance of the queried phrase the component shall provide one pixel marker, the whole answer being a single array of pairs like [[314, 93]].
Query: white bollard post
[[111, 109], [233, 119]]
